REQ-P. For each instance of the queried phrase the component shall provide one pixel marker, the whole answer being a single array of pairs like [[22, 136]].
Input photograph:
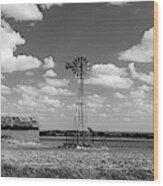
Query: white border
[[48, 182]]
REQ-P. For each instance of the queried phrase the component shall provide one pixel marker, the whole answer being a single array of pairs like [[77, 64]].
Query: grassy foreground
[[110, 163], [67, 173]]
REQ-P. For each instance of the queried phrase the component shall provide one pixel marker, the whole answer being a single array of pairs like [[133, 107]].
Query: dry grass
[[105, 163]]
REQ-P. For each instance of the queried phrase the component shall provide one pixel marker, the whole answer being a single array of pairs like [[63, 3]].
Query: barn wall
[[21, 135]]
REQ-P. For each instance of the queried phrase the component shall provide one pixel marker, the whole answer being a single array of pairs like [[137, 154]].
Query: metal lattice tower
[[79, 67]]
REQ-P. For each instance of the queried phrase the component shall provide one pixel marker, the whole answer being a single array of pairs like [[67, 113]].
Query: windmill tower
[[79, 67]]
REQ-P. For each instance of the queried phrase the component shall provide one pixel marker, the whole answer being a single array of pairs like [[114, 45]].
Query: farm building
[[20, 128]]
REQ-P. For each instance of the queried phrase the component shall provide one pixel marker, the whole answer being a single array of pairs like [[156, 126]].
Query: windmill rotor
[[79, 66]]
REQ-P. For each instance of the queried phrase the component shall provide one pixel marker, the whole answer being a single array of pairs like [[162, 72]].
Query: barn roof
[[18, 122]]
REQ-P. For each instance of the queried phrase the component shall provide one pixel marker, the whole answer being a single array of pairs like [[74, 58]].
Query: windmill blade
[[69, 65], [80, 66]]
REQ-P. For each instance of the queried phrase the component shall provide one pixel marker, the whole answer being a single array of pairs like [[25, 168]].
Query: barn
[[23, 129]]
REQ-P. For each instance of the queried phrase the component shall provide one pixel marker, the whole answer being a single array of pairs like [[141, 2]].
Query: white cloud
[[24, 89], [22, 12], [145, 88], [20, 63], [147, 78], [142, 52], [40, 103], [49, 62], [110, 76], [119, 95], [3, 100], [126, 119], [57, 82], [29, 73], [47, 5], [5, 89], [44, 90], [50, 73], [108, 105], [143, 106], [2, 76], [95, 101], [48, 90], [138, 94], [126, 104], [116, 109], [9, 42], [52, 102], [138, 101], [28, 101], [104, 115], [118, 3], [43, 99], [71, 107], [40, 99], [107, 69]]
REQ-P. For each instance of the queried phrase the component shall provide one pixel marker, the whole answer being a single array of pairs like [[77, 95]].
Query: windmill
[[80, 68]]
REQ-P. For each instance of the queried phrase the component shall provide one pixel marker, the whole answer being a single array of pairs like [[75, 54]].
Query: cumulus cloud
[[104, 115], [95, 101], [22, 12], [50, 73], [143, 106], [26, 90], [29, 73], [142, 52], [10, 39], [44, 90], [5, 89], [42, 97], [126, 119], [53, 91], [3, 100], [138, 100], [39, 103], [57, 82], [147, 78], [119, 95], [118, 3], [110, 76], [2, 76], [20, 63], [53, 102], [47, 5], [145, 88], [48, 63], [138, 94]]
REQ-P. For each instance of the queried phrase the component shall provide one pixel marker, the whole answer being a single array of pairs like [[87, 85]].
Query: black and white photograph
[[77, 90]]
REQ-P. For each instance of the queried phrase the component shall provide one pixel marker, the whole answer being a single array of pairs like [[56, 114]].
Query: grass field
[[119, 161]]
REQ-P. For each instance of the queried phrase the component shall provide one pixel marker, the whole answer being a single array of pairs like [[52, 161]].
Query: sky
[[117, 40]]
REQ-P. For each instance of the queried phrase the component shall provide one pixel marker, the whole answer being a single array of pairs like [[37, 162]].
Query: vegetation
[[66, 172], [97, 134], [119, 163], [18, 123]]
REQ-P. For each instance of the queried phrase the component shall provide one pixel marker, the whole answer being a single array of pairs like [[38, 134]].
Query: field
[[119, 160]]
